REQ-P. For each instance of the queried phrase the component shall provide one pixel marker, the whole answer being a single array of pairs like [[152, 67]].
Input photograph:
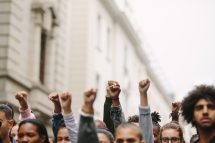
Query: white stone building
[[58, 45]]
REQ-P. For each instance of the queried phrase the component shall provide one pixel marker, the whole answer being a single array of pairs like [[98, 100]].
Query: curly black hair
[[188, 104], [156, 118], [134, 118]]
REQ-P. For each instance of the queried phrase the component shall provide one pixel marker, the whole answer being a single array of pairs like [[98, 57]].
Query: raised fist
[[65, 100], [90, 96], [144, 86], [113, 89], [175, 111], [176, 106], [54, 97], [22, 98]]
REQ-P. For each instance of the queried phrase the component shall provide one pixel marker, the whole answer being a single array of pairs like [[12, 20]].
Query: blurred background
[[72, 45]]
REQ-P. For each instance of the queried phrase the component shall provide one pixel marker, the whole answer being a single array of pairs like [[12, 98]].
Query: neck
[[6, 140], [206, 137]]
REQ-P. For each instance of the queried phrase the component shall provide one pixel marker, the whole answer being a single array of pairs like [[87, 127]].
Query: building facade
[[72, 45]]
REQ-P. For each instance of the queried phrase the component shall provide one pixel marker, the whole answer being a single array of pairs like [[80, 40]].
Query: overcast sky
[[182, 37]]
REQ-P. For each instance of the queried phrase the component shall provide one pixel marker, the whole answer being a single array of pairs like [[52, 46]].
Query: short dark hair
[[107, 133], [188, 104], [8, 110], [156, 118], [131, 126], [40, 127], [134, 119], [61, 125]]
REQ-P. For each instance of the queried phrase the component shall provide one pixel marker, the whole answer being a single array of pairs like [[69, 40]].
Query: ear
[[11, 123]]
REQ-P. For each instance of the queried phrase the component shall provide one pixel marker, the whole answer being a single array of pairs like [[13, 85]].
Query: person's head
[[32, 131], [156, 118], [128, 132], [171, 131], [62, 134], [100, 124], [51, 140], [6, 120], [14, 132], [105, 136], [134, 119], [198, 108]]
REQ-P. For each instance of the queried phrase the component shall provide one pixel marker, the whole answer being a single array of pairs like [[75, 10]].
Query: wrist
[[24, 107], [115, 98], [107, 95], [115, 102], [88, 108], [67, 110], [57, 108]]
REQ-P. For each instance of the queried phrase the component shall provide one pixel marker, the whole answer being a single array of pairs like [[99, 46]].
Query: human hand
[[176, 106], [89, 98], [54, 97], [65, 101], [113, 89], [175, 111], [22, 98], [144, 86]]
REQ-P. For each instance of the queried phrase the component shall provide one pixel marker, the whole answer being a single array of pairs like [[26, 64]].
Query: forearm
[[87, 130], [143, 99], [106, 115], [117, 116], [146, 125], [56, 120], [72, 127], [26, 114]]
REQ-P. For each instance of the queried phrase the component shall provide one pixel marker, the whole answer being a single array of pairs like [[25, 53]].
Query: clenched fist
[[22, 98], [144, 86], [113, 89], [65, 101], [54, 97], [89, 98]]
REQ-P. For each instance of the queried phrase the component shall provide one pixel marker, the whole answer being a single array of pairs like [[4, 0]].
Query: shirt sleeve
[[146, 124], [26, 114], [72, 127]]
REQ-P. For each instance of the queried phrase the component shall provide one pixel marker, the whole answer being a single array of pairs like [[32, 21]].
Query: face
[[204, 115], [28, 133], [6, 125], [63, 136], [127, 135], [14, 132], [155, 133], [103, 138], [170, 135]]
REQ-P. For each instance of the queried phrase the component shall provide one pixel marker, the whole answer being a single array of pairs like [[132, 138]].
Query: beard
[[206, 128]]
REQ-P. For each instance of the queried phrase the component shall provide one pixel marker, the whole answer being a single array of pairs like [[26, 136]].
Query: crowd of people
[[197, 108]]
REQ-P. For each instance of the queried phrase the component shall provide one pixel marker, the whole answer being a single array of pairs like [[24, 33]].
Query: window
[[43, 55], [125, 59], [98, 44], [108, 51]]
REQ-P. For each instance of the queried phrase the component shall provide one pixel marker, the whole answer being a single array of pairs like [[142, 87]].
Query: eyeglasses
[[173, 140]]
